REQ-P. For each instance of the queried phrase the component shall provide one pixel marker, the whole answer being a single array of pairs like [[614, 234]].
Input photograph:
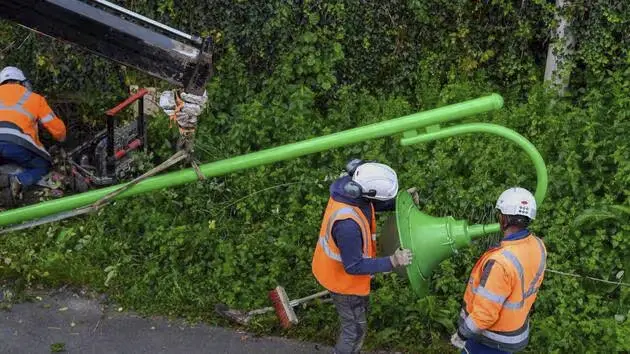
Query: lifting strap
[[186, 137], [185, 149]]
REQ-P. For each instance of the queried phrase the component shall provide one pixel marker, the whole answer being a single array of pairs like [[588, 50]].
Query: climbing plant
[[287, 71]]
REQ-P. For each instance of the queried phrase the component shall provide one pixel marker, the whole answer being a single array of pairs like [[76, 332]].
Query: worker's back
[[528, 258], [20, 112], [502, 289], [20, 107]]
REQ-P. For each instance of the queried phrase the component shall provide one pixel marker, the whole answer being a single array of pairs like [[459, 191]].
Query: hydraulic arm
[[101, 28]]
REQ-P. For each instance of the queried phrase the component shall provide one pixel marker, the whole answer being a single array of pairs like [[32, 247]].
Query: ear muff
[[353, 189]]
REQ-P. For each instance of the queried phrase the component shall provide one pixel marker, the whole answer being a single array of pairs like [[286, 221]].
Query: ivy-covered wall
[[288, 71]]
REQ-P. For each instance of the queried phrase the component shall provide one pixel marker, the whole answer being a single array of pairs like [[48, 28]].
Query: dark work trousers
[[474, 347], [352, 310], [35, 167]]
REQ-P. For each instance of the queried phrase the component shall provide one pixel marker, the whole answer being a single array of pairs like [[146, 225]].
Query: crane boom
[[101, 28]]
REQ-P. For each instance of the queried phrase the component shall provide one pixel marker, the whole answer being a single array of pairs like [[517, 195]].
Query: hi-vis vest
[[327, 265], [20, 113], [502, 288]]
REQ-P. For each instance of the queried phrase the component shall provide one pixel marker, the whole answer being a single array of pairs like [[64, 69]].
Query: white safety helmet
[[377, 181], [11, 73], [517, 201]]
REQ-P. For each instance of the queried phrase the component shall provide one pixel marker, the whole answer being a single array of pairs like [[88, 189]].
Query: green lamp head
[[430, 239]]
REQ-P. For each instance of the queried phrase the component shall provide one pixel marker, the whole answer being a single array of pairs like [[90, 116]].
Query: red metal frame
[[124, 104], [112, 155]]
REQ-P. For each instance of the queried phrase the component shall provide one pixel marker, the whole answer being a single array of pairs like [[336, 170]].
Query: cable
[[583, 276], [263, 190]]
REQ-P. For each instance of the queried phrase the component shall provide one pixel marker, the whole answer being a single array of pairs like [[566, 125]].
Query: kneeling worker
[[345, 256], [21, 111]]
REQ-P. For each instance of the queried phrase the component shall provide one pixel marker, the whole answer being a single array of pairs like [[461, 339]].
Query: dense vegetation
[[287, 71]]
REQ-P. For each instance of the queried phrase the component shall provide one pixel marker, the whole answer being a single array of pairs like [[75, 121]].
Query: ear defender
[[353, 189]]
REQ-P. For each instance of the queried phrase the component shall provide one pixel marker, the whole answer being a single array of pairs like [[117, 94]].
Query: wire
[[263, 190], [13, 43], [583, 276]]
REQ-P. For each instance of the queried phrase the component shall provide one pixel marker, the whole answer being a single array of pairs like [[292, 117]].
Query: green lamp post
[[433, 239]]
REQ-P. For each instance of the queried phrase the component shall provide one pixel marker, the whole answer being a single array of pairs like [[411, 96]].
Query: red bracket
[[136, 143], [124, 104]]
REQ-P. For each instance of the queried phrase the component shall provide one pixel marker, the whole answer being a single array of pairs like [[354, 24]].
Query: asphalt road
[[78, 324]]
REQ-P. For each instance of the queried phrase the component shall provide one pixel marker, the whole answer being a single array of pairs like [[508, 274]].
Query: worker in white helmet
[[22, 112], [345, 259], [504, 282]]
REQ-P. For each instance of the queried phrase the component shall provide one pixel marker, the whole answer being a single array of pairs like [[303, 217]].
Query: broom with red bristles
[[281, 304], [284, 307]]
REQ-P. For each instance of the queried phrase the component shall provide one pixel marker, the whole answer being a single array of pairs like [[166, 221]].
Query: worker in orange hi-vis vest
[[504, 282], [345, 255], [21, 113]]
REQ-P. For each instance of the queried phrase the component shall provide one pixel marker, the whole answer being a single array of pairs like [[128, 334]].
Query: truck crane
[[123, 36]]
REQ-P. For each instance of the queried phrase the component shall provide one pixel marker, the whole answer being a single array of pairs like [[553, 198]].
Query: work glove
[[402, 257], [414, 194], [192, 107], [457, 341]]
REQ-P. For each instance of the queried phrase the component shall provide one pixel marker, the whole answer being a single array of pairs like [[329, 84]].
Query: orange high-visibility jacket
[[327, 265], [501, 290], [20, 113]]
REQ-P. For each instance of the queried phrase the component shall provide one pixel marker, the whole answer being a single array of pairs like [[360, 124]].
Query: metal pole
[[110, 163], [264, 157], [479, 230], [148, 20]]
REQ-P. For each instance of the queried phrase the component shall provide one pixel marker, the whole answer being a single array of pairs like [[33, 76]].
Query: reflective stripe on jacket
[[327, 265], [20, 113], [501, 290]]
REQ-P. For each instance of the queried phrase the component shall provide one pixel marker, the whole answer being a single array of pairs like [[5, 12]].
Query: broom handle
[[296, 302], [292, 303], [260, 311]]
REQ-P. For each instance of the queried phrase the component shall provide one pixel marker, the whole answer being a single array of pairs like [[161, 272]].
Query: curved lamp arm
[[518, 139]]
